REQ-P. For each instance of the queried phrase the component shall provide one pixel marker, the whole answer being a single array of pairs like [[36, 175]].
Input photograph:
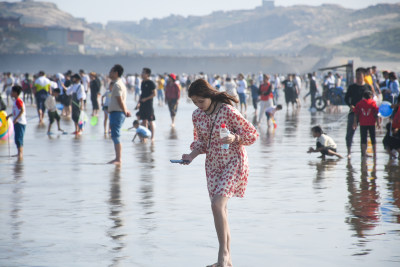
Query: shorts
[[117, 118], [105, 109], [255, 103], [66, 100], [40, 99], [146, 111], [137, 90], [19, 132], [324, 151], [53, 115], [173, 106], [143, 135], [242, 98]]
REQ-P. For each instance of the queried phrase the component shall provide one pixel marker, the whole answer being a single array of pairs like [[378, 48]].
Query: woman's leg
[[219, 209], [105, 121]]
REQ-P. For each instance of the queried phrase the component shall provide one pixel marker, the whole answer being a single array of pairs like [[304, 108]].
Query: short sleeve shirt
[[17, 108], [118, 90], [147, 88], [326, 141], [242, 86], [143, 131]]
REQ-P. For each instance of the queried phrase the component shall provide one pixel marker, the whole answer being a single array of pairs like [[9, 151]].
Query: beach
[[63, 206]]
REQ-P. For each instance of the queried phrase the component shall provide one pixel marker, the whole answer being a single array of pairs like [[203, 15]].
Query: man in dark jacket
[[353, 95]]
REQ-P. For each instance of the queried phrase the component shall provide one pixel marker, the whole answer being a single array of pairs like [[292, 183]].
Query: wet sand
[[63, 206]]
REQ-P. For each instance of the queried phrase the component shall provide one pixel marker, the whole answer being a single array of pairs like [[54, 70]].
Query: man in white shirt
[[330, 81]]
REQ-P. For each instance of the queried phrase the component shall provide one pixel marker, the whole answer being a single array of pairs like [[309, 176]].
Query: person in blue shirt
[[141, 131]]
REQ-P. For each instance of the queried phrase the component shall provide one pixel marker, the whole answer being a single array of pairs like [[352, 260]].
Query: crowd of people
[[221, 101], [262, 91]]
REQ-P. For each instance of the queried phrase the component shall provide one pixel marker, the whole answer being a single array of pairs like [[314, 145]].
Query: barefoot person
[[325, 144], [117, 110], [172, 95], [19, 119], [226, 170]]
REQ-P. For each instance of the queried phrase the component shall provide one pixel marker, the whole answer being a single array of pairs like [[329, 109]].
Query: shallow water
[[62, 206]]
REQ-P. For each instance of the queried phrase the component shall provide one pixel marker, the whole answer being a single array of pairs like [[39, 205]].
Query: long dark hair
[[202, 88]]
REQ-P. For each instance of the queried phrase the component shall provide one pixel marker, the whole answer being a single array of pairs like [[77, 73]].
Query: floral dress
[[226, 171]]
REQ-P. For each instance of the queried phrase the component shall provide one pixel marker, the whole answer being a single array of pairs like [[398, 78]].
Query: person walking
[[266, 97], [172, 95], [95, 86], [313, 91], [227, 170], [41, 89]]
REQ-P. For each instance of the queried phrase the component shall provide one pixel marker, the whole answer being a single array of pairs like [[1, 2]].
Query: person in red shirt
[[172, 95], [266, 97], [366, 112]]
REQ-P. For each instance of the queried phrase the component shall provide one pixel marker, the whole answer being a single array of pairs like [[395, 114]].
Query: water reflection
[[313, 118], [145, 156], [323, 167], [116, 206], [17, 200], [291, 122], [391, 211], [173, 134], [364, 202]]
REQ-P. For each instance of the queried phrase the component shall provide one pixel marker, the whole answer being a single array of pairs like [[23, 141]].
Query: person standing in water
[[227, 171], [354, 95], [117, 110], [145, 105], [172, 95]]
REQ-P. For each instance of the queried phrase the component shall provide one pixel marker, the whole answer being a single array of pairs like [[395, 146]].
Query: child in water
[[325, 144], [270, 113], [141, 131], [19, 119], [50, 104]]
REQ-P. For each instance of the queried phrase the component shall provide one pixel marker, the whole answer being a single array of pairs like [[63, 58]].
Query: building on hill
[[57, 35], [10, 22], [268, 4]]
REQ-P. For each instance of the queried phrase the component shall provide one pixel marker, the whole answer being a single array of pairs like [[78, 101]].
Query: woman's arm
[[245, 133]]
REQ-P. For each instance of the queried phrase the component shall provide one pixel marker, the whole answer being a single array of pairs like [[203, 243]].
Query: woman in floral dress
[[226, 170]]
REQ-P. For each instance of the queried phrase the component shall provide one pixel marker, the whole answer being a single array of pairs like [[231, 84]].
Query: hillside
[[293, 30], [16, 40], [388, 40], [282, 29]]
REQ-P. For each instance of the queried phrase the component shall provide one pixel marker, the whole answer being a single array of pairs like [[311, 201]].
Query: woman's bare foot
[[116, 162], [220, 265]]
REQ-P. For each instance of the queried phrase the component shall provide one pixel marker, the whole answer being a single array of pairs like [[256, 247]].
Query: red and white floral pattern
[[227, 172]]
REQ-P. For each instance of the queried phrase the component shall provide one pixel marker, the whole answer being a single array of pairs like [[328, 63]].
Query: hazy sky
[[134, 10]]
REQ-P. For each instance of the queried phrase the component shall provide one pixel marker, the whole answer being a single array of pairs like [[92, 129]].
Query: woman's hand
[[228, 139], [188, 158]]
